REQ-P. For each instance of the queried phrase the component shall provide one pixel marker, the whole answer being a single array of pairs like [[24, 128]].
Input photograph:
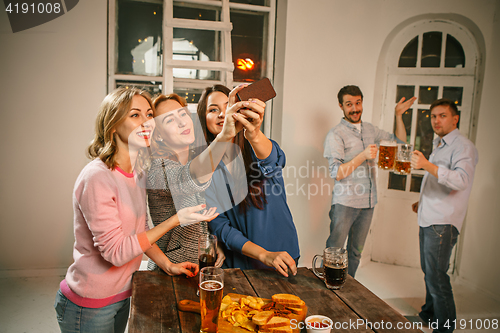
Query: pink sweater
[[110, 238]]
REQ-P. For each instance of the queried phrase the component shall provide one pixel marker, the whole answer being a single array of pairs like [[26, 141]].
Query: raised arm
[[203, 166], [400, 109], [251, 119]]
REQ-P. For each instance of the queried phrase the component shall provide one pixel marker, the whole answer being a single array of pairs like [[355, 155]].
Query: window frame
[[468, 43], [225, 66]]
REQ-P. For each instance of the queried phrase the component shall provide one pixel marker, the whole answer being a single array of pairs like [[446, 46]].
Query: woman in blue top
[[258, 231]]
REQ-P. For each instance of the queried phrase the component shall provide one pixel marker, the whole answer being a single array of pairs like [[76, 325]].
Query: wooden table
[[352, 308]]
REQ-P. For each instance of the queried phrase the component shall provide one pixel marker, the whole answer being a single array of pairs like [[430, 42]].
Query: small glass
[[207, 250], [402, 166], [211, 289], [334, 267]]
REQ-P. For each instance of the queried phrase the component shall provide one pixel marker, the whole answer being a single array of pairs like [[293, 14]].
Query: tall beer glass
[[211, 288], [387, 154], [402, 165]]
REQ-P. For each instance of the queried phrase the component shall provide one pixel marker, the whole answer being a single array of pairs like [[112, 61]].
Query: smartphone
[[262, 90]]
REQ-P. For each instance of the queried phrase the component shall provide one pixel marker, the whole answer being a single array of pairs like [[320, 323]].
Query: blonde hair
[[158, 146], [113, 110]]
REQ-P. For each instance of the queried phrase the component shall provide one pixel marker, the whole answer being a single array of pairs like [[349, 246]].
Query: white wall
[[333, 43], [477, 256], [53, 78]]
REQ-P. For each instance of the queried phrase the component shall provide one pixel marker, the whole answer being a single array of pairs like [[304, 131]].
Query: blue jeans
[[76, 319], [436, 243], [352, 222]]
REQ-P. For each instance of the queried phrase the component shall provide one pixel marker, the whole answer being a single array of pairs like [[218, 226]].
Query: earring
[[157, 137]]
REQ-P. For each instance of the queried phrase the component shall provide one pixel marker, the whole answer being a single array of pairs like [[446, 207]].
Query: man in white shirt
[[444, 195]]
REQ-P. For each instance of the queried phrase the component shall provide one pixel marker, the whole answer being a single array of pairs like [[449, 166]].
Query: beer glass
[[334, 267], [402, 166], [207, 250], [387, 154], [211, 288]]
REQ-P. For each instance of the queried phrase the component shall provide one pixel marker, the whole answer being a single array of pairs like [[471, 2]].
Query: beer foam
[[211, 285], [388, 143]]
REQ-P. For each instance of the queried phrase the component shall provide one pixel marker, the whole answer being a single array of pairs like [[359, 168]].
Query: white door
[[429, 59], [395, 238]]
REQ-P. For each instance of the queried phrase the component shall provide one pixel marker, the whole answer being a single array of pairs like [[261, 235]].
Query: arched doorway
[[429, 59]]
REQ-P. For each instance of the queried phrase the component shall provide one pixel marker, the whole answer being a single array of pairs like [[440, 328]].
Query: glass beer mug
[[402, 166], [387, 154], [334, 267]]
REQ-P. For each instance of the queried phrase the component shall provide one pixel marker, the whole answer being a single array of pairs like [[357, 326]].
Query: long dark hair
[[256, 195]]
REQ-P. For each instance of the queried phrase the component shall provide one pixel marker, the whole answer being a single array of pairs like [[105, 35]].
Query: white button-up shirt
[[443, 200]]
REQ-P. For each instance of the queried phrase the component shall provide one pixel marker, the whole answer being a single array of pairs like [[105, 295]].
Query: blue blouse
[[271, 228]]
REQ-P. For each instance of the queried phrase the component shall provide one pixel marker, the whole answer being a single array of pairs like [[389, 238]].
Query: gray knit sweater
[[168, 182]]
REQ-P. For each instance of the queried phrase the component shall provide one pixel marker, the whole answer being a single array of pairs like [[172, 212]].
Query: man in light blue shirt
[[444, 194], [350, 148]]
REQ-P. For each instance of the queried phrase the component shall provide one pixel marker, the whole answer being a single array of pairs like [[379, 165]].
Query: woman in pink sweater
[[110, 220]]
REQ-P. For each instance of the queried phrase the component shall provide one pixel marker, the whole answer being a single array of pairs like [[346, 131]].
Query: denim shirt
[[443, 200], [271, 227], [342, 144]]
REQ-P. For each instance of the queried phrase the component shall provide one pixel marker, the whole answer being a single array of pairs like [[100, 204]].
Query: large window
[[184, 46]]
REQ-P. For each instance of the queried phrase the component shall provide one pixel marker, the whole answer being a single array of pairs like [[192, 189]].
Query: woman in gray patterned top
[[176, 180]]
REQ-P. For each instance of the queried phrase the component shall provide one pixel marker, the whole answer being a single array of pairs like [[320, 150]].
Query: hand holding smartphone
[[262, 90]]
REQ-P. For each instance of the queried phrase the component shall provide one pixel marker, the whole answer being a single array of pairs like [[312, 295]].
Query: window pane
[[247, 40], [139, 38], [404, 91], [416, 181], [397, 182], [193, 44], [454, 93], [252, 2], [425, 134], [431, 49], [427, 94], [196, 13], [152, 87], [408, 57], [192, 96], [200, 45], [454, 56]]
